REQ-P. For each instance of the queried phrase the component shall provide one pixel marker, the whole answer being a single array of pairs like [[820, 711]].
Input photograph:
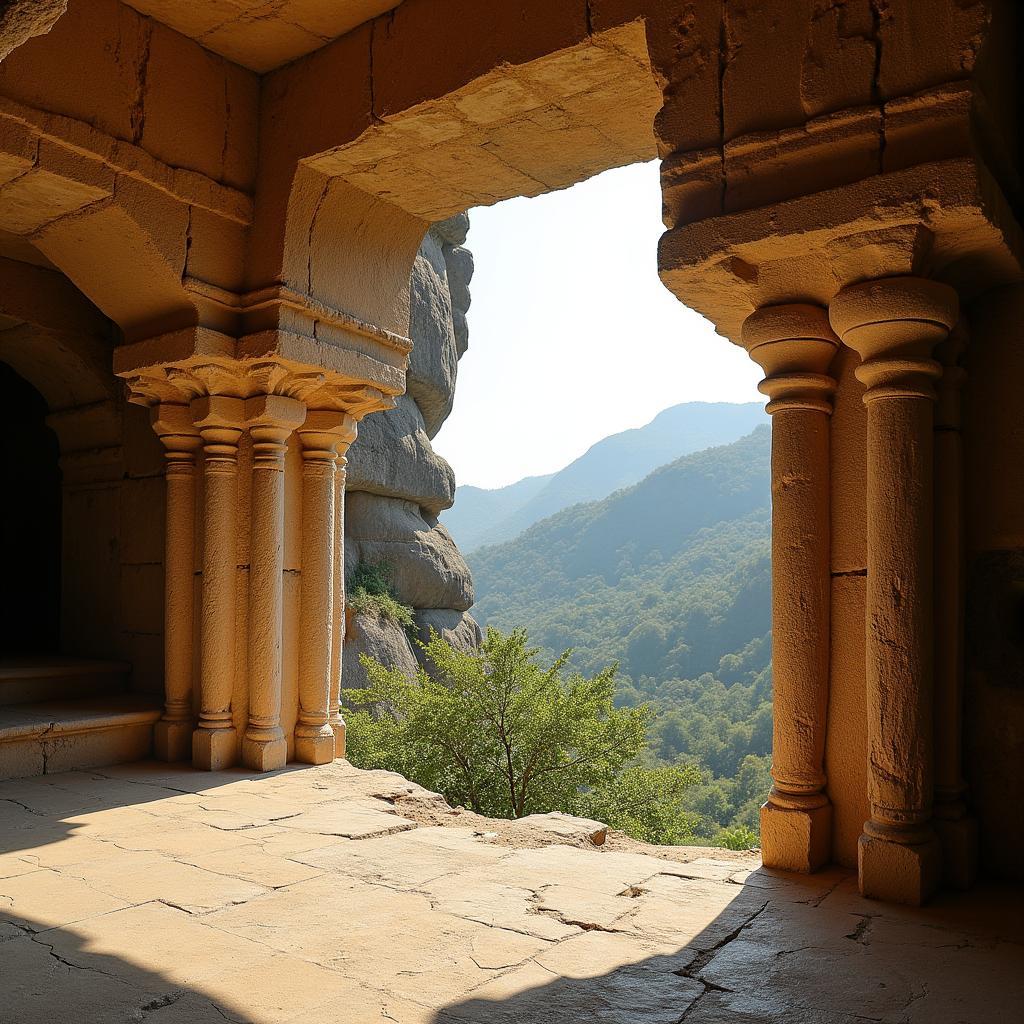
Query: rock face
[[397, 485], [20, 20]]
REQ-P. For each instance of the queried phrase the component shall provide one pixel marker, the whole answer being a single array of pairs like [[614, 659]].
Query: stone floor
[[159, 894]]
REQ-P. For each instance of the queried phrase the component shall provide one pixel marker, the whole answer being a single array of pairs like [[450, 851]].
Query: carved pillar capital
[[272, 419], [794, 344], [894, 324], [326, 433], [172, 423]]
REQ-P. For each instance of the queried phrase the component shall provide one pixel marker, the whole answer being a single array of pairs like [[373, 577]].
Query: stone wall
[[993, 432], [397, 485]]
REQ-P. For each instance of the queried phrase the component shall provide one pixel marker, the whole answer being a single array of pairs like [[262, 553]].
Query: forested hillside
[[671, 579], [494, 516]]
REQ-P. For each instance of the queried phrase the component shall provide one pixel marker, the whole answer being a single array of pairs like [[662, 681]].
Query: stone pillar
[[172, 737], [321, 435], [220, 421], [271, 420], [795, 345], [957, 830], [337, 722], [894, 324]]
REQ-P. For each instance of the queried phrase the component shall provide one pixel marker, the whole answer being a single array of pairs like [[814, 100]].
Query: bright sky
[[572, 337]]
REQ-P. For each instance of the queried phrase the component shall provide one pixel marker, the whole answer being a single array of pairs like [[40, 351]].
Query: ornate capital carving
[[894, 324], [326, 434], [173, 425], [181, 382], [794, 345]]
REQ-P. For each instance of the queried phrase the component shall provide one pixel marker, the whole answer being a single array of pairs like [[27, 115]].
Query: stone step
[[35, 678], [63, 735]]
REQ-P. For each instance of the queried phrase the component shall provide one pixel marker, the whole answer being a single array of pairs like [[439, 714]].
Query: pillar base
[[214, 749], [898, 872], [339, 737], [796, 839], [264, 755], [172, 740], [959, 840], [318, 749]]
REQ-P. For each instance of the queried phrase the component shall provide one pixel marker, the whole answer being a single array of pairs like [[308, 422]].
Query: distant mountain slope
[[669, 577], [493, 516]]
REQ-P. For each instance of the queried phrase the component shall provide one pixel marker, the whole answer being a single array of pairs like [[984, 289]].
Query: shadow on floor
[[782, 953], [112, 913], [53, 975]]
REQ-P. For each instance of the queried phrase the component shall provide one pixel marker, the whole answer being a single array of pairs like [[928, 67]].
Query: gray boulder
[[392, 456], [452, 231], [459, 267], [434, 360], [460, 629], [380, 639], [427, 569]]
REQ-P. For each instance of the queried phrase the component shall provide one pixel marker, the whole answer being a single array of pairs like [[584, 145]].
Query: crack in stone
[[312, 228], [879, 8], [159, 1003], [702, 960], [24, 807], [816, 901], [137, 115], [861, 932], [48, 946]]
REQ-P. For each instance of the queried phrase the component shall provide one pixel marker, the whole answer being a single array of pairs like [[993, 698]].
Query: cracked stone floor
[[155, 893]]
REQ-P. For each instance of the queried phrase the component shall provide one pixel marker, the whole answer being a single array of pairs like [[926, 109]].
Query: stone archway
[[855, 166]]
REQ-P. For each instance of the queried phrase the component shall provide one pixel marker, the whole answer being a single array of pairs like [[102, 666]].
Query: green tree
[[647, 803], [495, 731]]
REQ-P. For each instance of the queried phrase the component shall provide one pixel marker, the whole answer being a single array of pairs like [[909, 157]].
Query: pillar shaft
[[321, 435], [172, 738], [271, 420], [795, 345], [899, 608], [894, 324], [219, 421], [337, 721]]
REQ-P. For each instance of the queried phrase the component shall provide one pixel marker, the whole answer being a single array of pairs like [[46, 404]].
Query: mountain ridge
[[491, 516], [666, 576]]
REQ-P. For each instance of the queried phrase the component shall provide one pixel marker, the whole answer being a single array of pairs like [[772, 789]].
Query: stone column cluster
[[914, 619], [198, 721]]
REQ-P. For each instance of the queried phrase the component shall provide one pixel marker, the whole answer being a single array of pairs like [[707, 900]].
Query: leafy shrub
[[371, 593], [497, 732], [737, 838]]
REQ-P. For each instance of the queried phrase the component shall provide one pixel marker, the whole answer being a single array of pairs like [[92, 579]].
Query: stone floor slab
[[154, 893]]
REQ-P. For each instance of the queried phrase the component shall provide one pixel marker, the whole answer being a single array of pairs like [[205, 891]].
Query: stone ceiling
[[263, 34]]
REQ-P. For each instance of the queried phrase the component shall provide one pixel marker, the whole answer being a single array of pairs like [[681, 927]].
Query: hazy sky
[[572, 337]]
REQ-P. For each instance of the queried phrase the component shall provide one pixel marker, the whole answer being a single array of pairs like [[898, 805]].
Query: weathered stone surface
[[565, 826], [427, 570], [460, 629], [452, 231], [22, 19], [431, 923], [380, 639], [434, 360], [392, 456], [459, 263]]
